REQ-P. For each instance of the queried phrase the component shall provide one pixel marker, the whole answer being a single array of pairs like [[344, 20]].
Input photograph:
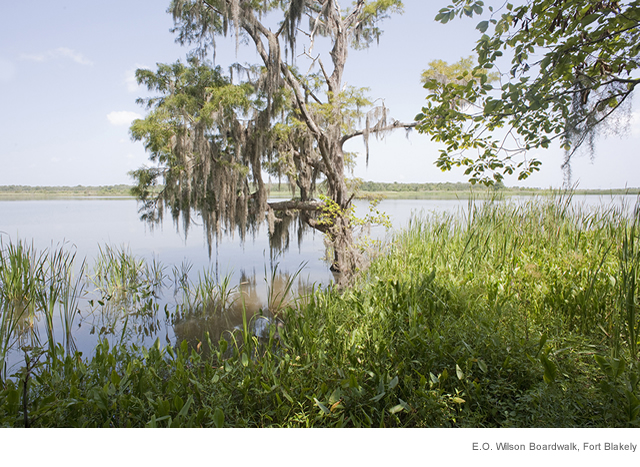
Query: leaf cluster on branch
[[572, 67]]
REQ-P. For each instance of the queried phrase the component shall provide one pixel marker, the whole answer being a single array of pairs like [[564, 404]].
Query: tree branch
[[395, 125], [296, 205]]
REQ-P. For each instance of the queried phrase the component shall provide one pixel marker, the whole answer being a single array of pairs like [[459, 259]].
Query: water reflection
[[247, 305]]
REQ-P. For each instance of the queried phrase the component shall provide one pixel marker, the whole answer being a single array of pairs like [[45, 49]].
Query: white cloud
[[73, 55], [7, 71], [60, 52], [122, 117]]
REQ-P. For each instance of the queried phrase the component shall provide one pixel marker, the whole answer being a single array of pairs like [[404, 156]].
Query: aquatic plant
[[37, 286]]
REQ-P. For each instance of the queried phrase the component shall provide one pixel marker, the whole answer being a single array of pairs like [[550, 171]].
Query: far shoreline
[[368, 190]]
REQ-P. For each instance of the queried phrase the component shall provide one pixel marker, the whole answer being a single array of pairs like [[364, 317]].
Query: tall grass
[[37, 287], [126, 289], [629, 259], [555, 261]]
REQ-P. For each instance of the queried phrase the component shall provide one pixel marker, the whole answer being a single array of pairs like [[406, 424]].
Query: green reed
[[280, 289], [206, 295], [119, 274], [37, 286], [629, 259], [126, 291]]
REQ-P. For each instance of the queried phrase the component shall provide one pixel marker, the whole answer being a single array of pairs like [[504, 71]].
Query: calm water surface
[[86, 225]]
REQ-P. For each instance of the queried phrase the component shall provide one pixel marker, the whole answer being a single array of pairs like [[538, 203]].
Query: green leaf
[[550, 369], [612, 367], [393, 383], [459, 372], [218, 418], [483, 366], [483, 26], [589, 19], [178, 403], [322, 406], [185, 409], [115, 378], [287, 396], [543, 340]]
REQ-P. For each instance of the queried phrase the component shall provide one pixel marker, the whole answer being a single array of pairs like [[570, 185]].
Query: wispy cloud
[[122, 117], [60, 52]]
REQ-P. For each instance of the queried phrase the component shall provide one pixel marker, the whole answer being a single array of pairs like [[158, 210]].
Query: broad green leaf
[[589, 19], [185, 409], [393, 383], [482, 26], [218, 418], [550, 369], [178, 403]]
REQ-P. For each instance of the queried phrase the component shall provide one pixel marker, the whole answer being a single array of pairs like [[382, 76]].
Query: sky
[[67, 94]]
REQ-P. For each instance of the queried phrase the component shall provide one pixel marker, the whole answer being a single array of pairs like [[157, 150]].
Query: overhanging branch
[[296, 205], [394, 126]]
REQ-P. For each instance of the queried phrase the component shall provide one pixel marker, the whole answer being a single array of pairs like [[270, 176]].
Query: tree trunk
[[329, 139]]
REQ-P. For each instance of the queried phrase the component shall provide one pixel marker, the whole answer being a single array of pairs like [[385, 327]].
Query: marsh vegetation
[[505, 314]]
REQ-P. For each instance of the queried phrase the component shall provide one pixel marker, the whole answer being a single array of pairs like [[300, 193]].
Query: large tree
[[572, 66], [213, 136]]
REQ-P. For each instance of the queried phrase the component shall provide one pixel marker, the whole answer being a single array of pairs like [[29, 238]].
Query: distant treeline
[[386, 189], [374, 187], [421, 187], [79, 190]]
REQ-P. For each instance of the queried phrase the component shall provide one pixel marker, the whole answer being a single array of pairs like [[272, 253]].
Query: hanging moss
[[212, 136]]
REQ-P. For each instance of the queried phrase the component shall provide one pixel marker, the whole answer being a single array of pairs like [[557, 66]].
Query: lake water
[[87, 225]]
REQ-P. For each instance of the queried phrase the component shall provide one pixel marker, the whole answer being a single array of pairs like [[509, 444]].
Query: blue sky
[[67, 94]]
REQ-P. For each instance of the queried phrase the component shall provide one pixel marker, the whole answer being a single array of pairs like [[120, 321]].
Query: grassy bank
[[45, 192], [514, 315]]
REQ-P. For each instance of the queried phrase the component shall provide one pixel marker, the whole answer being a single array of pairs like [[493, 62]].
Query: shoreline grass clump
[[509, 314], [35, 287]]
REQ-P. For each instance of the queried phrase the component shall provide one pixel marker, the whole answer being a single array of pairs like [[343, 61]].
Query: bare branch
[[296, 205], [394, 126]]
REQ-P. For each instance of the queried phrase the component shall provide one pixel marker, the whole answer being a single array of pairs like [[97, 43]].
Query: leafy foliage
[[205, 154], [574, 65]]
